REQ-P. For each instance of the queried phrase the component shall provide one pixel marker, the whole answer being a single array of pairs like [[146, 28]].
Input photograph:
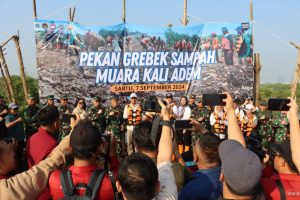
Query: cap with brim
[[133, 95], [224, 29], [169, 95], [50, 97], [12, 106], [241, 167], [249, 107], [97, 98], [115, 97], [263, 103], [64, 97], [30, 96], [284, 149], [192, 96]]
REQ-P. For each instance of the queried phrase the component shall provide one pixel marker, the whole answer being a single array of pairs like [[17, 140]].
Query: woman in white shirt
[[183, 136], [80, 108]]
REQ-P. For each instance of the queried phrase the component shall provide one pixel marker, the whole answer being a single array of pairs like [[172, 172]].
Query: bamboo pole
[[73, 14], [22, 69], [34, 9], [184, 20], [7, 75], [70, 14], [257, 77], [5, 85], [297, 73], [124, 11]]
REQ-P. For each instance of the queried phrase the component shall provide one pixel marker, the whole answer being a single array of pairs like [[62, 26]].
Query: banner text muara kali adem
[[147, 67]]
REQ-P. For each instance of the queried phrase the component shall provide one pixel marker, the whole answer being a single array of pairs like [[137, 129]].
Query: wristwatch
[[166, 123]]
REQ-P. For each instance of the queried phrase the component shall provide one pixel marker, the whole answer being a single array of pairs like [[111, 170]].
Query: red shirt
[[39, 146], [290, 182], [83, 174], [3, 177]]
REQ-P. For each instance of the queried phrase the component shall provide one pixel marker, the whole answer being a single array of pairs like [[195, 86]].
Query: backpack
[[91, 188]]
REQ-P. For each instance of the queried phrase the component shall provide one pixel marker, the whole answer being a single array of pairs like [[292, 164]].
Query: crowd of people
[[236, 151]]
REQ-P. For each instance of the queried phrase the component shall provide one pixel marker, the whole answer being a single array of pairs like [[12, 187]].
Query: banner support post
[[184, 20], [124, 11], [297, 74], [34, 9]]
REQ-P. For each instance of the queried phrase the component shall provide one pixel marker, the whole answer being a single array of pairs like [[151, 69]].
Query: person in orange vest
[[249, 121], [238, 111], [218, 122], [133, 115], [215, 45]]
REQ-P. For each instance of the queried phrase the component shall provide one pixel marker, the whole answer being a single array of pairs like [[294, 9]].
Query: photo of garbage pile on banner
[[77, 60]]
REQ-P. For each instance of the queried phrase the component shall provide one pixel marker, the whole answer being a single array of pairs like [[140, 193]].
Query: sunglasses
[[133, 97], [80, 102]]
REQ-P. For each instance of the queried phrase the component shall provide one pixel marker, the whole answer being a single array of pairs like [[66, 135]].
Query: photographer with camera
[[205, 183], [285, 159], [133, 116], [86, 145], [241, 168], [139, 178]]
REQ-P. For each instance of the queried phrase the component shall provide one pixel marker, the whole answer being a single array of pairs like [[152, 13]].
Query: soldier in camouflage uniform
[[3, 113], [264, 126], [63, 108], [31, 116], [115, 122], [96, 114], [280, 123], [202, 115], [50, 101], [192, 103]]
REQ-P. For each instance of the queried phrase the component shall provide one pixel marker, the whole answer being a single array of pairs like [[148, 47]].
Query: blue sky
[[276, 22]]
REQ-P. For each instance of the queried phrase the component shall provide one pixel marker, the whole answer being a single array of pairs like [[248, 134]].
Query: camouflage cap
[[30, 96], [64, 97], [114, 97], [97, 98], [199, 99], [50, 97], [263, 103], [192, 96]]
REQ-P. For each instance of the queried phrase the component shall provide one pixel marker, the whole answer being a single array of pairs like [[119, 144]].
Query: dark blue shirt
[[16, 131], [204, 185]]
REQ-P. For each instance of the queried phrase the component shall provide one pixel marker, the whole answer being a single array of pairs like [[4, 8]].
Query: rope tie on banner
[[273, 34]]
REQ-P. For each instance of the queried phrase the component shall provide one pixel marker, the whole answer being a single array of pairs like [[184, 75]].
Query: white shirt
[[168, 188], [182, 112]]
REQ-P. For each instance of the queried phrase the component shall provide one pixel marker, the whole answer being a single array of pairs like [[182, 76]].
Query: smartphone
[[278, 104], [213, 99], [67, 117], [190, 163], [183, 124]]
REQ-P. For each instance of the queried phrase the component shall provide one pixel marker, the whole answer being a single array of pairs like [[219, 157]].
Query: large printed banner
[[85, 61]]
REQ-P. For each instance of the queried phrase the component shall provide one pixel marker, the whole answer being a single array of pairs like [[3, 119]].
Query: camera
[[151, 104]]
